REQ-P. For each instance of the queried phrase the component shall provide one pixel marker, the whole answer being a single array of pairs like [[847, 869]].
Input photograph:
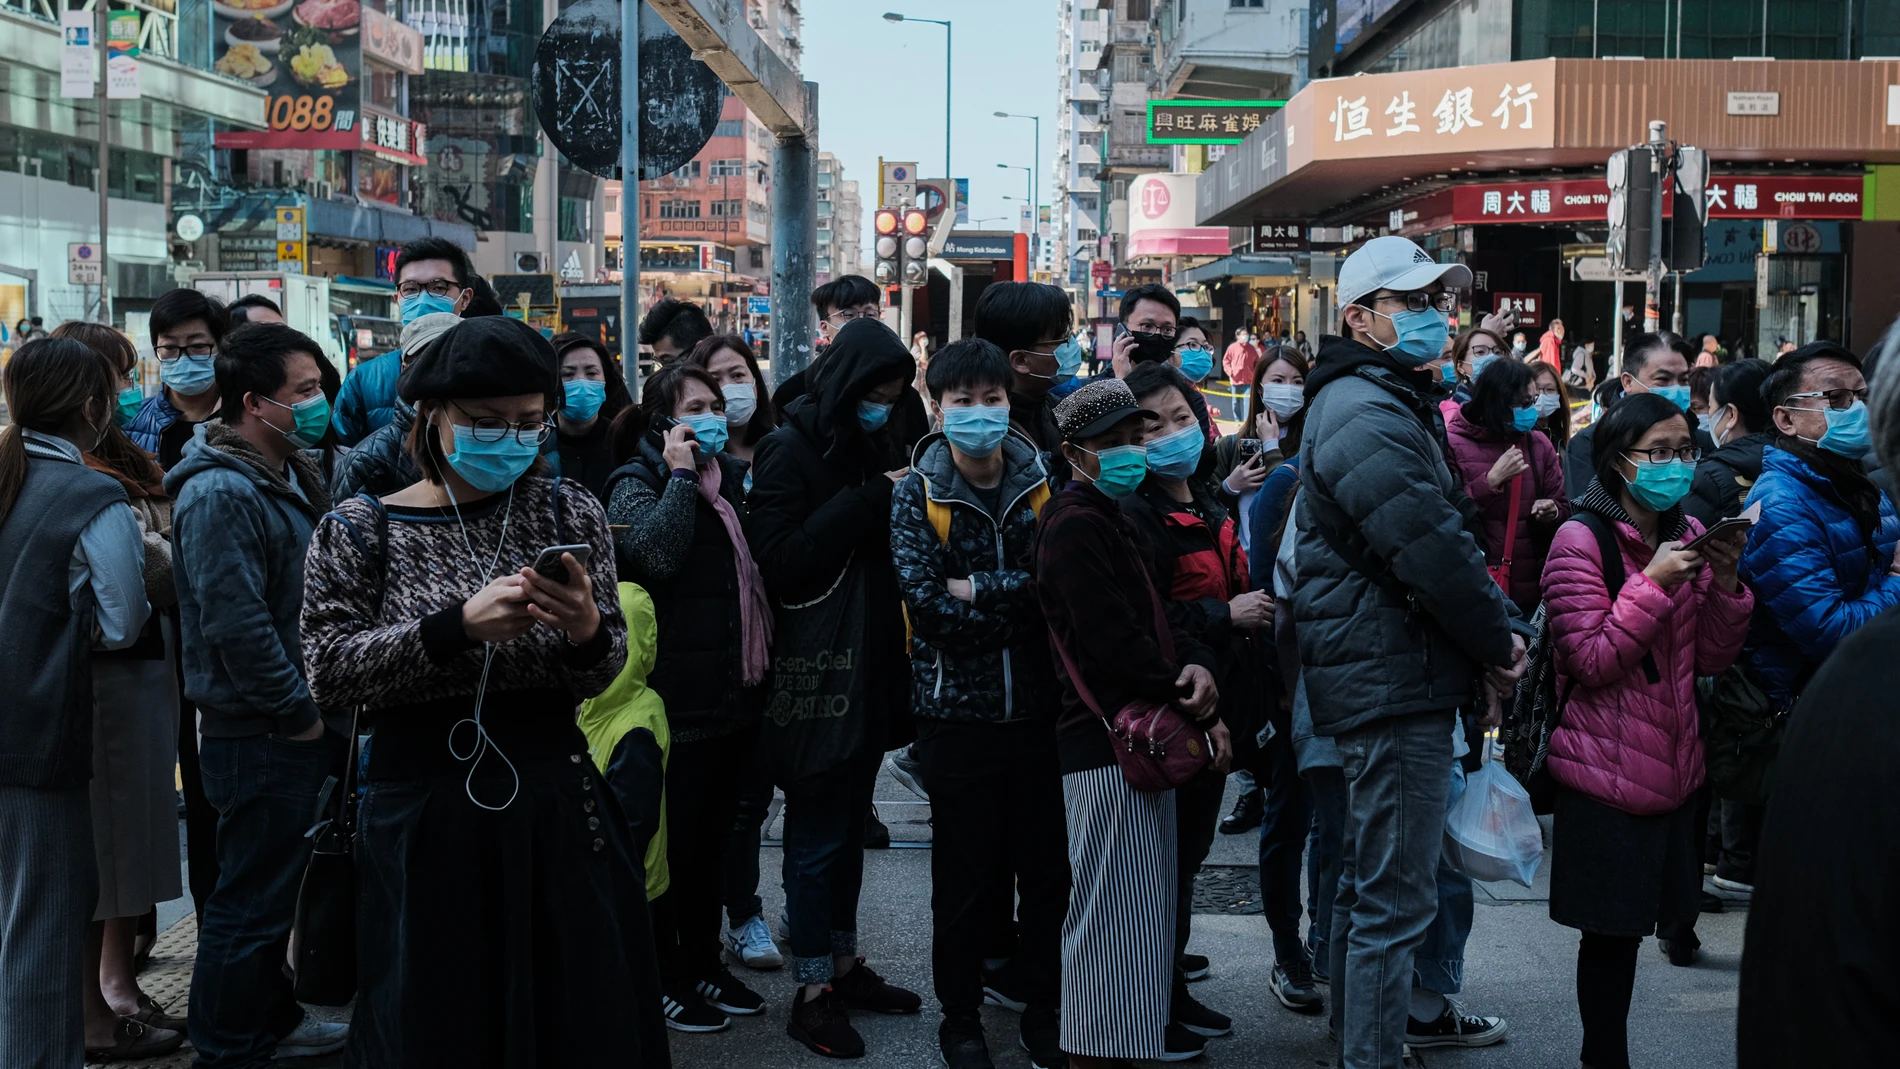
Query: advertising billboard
[[307, 55]]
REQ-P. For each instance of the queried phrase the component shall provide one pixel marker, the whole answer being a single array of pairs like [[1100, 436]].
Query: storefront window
[[378, 180], [1709, 29], [382, 88]]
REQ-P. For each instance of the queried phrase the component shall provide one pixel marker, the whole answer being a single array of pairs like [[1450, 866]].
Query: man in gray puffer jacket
[[1397, 618]]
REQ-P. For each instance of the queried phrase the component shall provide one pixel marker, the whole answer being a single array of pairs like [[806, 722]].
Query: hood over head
[[864, 355]]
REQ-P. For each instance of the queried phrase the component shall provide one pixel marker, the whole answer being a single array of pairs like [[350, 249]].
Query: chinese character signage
[[290, 241], [1206, 122], [394, 43], [393, 137], [1447, 110], [122, 55], [1279, 235], [307, 55], [1728, 197], [1528, 306]]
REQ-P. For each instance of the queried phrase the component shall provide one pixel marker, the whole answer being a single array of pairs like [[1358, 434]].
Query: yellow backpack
[[938, 513]]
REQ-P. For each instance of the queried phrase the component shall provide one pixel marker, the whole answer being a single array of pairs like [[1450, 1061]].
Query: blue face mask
[[422, 304], [1677, 394], [491, 466], [1068, 361], [1659, 486], [710, 429], [1176, 455], [1847, 432], [189, 375], [581, 398], [1479, 363], [1523, 419], [1448, 373], [976, 430], [1422, 335], [1196, 363], [872, 415]]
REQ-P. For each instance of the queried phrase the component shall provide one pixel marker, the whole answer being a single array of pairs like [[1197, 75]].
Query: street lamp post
[[892, 16], [1028, 190], [1035, 154]]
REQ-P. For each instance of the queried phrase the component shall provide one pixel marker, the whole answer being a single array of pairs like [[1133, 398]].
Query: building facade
[[840, 213]]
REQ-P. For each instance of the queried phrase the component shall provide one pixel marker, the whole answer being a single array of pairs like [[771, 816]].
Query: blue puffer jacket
[[150, 422], [368, 398], [1816, 578]]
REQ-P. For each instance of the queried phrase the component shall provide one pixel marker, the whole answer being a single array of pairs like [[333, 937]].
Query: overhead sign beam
[[724, 41]]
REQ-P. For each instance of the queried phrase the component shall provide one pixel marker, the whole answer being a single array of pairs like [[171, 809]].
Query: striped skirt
[[1118, 940]]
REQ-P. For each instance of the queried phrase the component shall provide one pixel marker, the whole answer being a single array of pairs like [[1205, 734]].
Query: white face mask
[[1283, 399]]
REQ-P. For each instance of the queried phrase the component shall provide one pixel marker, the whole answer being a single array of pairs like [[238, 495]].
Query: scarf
[[1858, 493], [755, 612]]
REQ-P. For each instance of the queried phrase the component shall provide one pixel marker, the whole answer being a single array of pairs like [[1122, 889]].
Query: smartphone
[[1720, 530], [1248, 448], [550, 565]]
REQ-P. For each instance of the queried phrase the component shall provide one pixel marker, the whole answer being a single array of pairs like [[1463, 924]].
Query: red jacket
[[1474, 449], [1624, 741], [1239, 361], [1550, 349]]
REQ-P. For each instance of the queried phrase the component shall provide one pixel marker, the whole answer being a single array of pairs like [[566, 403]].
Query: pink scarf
[[755, 613]]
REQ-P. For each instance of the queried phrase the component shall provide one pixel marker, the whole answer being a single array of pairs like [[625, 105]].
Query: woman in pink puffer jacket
[[1627, 756]]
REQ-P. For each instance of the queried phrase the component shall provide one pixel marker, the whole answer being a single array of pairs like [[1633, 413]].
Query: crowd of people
[[1067, 610]]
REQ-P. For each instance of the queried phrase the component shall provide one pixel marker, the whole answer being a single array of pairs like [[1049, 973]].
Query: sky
[[880, 92]]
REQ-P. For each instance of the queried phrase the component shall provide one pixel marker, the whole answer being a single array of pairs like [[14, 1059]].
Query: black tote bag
[[815, 717]]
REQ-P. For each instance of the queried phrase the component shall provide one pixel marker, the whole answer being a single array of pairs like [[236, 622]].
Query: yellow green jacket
[[628, 739]]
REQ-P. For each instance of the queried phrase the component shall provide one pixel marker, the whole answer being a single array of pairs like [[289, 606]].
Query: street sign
[[577, 91], [758, 306], [291, 255], [189, 227], [900, 184], [84, 265]]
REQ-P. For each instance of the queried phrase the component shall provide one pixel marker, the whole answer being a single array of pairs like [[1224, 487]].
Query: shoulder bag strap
[[1510, 529]]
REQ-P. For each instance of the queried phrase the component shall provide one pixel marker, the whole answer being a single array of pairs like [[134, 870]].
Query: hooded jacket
[[381, 464], [1476, 449], [1818, 576], [986, 659], [1626, 741], [1375, 468], [820, 501], [239, 532], [1724, 477]]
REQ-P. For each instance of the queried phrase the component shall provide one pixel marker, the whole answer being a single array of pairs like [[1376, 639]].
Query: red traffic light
[[914, 221], [886, 221]]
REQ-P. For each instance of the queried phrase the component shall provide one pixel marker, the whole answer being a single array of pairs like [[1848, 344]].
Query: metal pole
[[630, 193], [794, 245], [1675, 312], [1035, 160], [105, 169], [946, 106], [1652, 299], [1616, 348]]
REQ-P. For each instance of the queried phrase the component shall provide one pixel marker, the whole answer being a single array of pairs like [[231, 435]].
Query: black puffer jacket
[[694, 583], [1723, 479], [380, 464], [820, 500], [986, 659]]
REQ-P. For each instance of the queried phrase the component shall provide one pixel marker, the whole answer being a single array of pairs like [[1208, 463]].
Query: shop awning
[[363, 285], [1243, 264]]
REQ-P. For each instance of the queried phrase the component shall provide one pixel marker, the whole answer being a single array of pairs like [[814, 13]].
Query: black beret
[[488, 356]]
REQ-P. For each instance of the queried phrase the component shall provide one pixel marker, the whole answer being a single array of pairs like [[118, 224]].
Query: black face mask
[[1150, 346]]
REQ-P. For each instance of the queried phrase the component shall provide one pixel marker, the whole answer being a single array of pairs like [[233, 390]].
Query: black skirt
[[507, 939], [1615, 873]]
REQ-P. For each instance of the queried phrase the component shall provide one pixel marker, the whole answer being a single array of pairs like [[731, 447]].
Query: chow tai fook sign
[[1206, 122], [1279, 235], [1588, 201], [1528, 306]]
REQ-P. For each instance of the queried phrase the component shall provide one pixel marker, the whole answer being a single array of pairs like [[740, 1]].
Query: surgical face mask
[[1547, 403], [1517, 345], [1283, 399], [313, 418], [581, 398], [1177, 454], [872, 415], [1448, 373], [1421, 334], [1068, 361], [1123, 468], [1706, 421], [491, 466], [131, 399], [742, 400], [709, 428], [1720, 436], [1479, 363], [1677, 394], [1658, 487], [422, 304], [1196, 362], [976, 430], [1523, 419], [1847, 432], [189, 375]]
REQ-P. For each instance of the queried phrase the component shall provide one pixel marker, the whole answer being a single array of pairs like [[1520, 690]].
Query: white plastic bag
[[1490, 831]]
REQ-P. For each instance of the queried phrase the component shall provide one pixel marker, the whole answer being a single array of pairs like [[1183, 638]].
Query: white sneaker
[[751, 943], [313, 1037]]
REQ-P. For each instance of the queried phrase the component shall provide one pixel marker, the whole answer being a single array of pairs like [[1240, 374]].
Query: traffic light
[[1683, 247], [1632, 200], [916, 247], [889, 255]]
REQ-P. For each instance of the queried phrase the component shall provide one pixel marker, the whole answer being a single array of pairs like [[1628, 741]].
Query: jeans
[[1328, 788], [265, 789], [999, 824], [1283, 835], [1439, 966], [1388, 894], [824, 863], [742, 845], [700, 799]]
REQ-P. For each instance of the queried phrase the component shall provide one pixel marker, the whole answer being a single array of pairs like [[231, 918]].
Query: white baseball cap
[[1395, 263]]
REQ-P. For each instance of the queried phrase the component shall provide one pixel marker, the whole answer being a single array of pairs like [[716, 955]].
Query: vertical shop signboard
[[307, 55], [291, 254]]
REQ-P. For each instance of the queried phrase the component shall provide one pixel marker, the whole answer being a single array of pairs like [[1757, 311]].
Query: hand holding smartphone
[[549, 564]]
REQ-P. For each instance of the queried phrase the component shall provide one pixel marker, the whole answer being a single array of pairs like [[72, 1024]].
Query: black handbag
[[324, 931]]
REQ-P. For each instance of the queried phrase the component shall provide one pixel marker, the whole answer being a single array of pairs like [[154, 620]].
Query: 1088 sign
[[304, 112]]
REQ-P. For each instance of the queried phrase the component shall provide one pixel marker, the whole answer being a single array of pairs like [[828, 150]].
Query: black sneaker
[[1455, 1028], [1042, 1038], [1181, 1045], [1194, 966], [876, 835], [960, 1043], [863, 989], [1003, 988], [725, 992], [1196, 1018], [1681, 952], [687, 1012], [1292, 983], [1249, 810], [823, 1026]]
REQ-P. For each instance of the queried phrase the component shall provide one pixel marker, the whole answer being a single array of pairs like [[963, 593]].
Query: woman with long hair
[[1506, 466], [135, 729], [1553, 406], [749, 412], [74, 583], [490, 860], [593, 392]]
